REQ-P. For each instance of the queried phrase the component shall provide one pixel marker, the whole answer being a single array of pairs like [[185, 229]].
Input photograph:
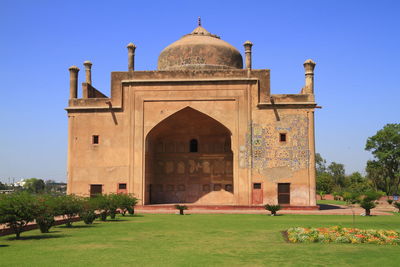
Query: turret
[[309, 66], [88, 69], [131, 56], [247, 48], [73, 82]]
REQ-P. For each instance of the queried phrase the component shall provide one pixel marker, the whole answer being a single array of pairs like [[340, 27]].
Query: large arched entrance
[[189, 160]]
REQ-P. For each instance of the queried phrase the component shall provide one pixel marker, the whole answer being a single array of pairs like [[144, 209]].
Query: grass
[[332, 202], [197, 240]]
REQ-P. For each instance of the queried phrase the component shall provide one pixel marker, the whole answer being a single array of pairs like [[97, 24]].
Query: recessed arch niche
[[189, 160]]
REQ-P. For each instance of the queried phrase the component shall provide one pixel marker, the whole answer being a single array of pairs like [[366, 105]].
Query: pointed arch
[[183, 152]]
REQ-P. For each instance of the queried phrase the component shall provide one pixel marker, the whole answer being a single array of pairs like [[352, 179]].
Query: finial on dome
[[199, 21]]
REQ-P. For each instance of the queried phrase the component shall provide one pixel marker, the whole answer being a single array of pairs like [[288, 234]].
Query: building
[[201, 129]]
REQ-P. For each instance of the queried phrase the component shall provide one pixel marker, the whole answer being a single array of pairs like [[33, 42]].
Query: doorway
[[96, 189], [284, 193], [257, 194]]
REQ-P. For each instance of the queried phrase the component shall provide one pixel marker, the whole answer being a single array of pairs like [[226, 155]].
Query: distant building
[[20, 183], [201, 129]]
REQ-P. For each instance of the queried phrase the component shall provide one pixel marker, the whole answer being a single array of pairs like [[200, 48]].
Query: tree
[[376, 174], [34, 185], [127, 203], [2, 186], [367, 201], [47, 207], [337, 172], [320, 163], [103, 205], [70, 206], [385, 147], [355, 182], [17, 210], [325, 182], [88, 212]]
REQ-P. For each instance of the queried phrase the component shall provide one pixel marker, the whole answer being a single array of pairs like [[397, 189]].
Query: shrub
[[88, 213], [367, 205], [272, 208], [368, 201], [397, 205], [102, 205], [127, 203], [337, 195], [181, 208], [70, 207], [351, 197], [114, 203], [390, 201], [17, 210], [107, 205], [321, 194], [47, 207]]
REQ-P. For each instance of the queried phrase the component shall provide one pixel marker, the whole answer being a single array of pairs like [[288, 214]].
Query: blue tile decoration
[[268, 152]]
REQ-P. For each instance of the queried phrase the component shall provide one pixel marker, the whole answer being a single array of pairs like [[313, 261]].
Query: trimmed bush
[[70, 207], [17, 210], [397, 205], [102, 204], [368, 206], [181, 209], [127, 203], [272, 208], [368, 201], [114, 203], [47, 207], [88, 213]]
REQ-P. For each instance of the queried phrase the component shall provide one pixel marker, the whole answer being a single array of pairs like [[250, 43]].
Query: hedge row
[[19, 209]]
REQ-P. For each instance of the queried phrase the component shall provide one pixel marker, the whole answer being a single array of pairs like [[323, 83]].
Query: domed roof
[[200, 50]]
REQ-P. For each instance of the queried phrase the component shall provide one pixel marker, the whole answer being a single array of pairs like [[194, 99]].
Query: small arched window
[[194, 145]]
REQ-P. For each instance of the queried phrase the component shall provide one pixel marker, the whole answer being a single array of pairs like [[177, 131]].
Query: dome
[[200, 50]]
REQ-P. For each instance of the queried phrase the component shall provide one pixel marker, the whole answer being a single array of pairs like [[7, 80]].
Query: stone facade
[[200, 129]]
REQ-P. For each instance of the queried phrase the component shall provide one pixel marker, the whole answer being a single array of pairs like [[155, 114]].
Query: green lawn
[[331, 202], [197, 240]]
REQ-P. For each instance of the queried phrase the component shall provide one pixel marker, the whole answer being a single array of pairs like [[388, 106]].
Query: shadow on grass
[[111, 220], [37, 237], [328, 207], [3, 246], [285, 236], [75, 226], [132, 216]]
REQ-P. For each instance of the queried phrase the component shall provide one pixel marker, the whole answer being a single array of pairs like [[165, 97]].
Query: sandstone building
[[202, 129]]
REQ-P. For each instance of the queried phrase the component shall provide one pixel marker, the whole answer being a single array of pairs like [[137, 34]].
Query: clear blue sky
[[356, 45]]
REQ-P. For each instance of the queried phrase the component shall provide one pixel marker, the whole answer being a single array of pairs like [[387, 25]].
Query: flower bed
[[338, 234]]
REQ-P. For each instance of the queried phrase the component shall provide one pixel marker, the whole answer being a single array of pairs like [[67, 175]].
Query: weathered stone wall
[[237, 99]]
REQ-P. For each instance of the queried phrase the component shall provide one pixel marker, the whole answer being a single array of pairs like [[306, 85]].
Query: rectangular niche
[[217, 187]]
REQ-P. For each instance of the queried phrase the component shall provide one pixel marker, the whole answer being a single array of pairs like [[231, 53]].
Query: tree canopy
[[384, 170]]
